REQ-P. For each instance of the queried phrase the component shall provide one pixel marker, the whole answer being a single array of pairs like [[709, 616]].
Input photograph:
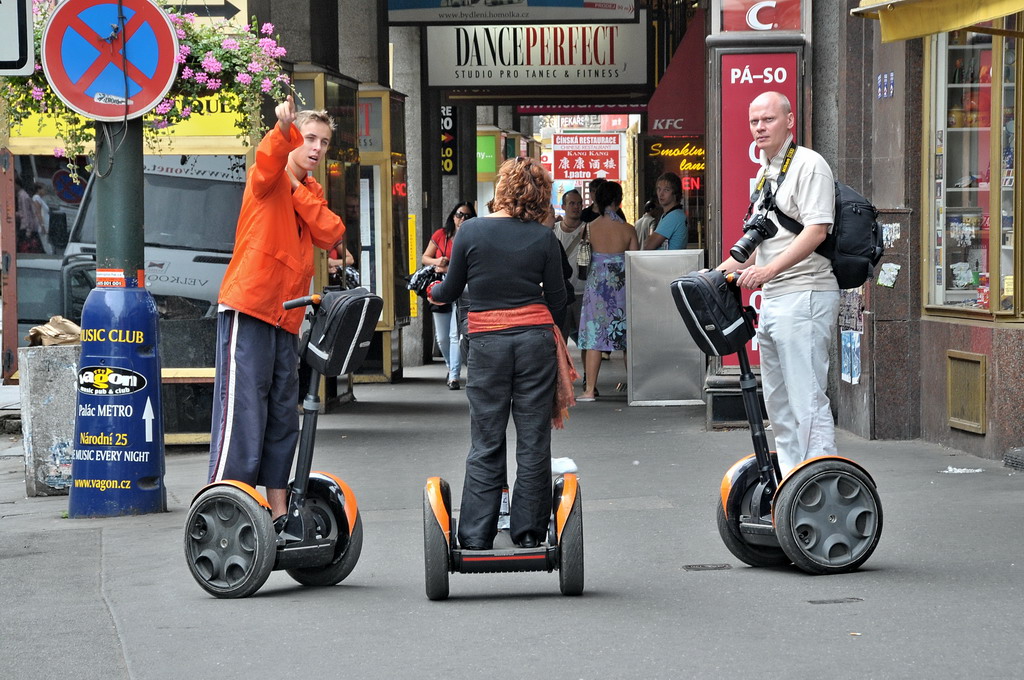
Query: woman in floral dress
[[603, 319]]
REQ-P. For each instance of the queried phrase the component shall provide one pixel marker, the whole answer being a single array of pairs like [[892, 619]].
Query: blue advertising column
[[118, 463]]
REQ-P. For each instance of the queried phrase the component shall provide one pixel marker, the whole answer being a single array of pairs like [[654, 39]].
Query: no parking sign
[[110, 61]]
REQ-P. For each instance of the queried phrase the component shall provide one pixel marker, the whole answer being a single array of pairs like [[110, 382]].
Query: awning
[[677, 105], [905, 19]]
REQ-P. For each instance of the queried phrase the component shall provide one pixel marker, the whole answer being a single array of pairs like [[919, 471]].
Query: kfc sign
[[761, 15]]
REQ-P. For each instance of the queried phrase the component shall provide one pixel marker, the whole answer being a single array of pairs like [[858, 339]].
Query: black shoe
[[470, 546], [528, 541], [453, 384]]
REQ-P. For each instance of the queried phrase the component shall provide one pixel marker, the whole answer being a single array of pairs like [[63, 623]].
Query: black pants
[[511, 372]]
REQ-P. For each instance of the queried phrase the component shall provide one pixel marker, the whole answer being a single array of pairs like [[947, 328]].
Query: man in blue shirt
[[672, 225]]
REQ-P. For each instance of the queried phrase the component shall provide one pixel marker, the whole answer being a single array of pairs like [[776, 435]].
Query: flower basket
[[236, 65]]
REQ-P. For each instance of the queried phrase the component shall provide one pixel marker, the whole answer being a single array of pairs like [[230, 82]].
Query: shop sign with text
[[529, 56], [509, 11], [742, 78], [583, 157], [761, 15]]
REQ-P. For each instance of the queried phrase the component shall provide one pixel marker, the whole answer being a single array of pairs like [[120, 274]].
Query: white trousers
[[794, 334]]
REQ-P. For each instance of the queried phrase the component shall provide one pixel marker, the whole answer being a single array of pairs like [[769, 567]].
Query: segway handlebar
[[303, 301]]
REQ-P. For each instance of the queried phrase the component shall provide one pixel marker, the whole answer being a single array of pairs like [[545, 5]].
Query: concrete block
[[48, 399]]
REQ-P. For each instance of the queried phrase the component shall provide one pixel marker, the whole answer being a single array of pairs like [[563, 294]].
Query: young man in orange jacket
[[255, 420]]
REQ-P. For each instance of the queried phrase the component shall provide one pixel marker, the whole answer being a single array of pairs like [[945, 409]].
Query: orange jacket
[[273, 257]]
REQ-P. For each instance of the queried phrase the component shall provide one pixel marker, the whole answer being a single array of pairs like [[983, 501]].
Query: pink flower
[[284, 79], [202, 77], [212, 84], [267, 45], [39, 67], [187, 73], [180, 32], [279, 52], [58, 152], [164, 106], [244, 78], [160, 124], [37, 92], [186, 112], [255, 67], [210, 64], [266, 85], [229, 44], [267, 29]]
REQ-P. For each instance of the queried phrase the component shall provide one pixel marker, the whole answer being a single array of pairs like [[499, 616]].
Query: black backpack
[[855, 243]]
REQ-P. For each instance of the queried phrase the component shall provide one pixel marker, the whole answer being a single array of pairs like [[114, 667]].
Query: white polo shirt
[[807, 195]]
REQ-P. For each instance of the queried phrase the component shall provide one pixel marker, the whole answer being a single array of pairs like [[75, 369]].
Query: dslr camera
[[756, 229]]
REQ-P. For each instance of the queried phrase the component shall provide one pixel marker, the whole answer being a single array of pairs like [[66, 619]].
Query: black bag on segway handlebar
[[341, 330], [712, 312]]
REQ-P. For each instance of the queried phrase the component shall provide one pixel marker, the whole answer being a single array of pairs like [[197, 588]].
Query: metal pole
[[119, 197]]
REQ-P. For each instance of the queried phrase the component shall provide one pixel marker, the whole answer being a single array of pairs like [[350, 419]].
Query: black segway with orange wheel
[[562, 550], [231, 544], [825, 516]]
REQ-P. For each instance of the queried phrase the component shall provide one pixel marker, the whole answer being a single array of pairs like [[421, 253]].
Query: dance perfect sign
[[530, 56]]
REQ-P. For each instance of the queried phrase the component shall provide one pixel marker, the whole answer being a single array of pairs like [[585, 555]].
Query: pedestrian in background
[[518, 364], [445, 317], [255, 425], [42, 216], [569, 231], [26, 220], [603, 318], [645, 225], [671, 231]]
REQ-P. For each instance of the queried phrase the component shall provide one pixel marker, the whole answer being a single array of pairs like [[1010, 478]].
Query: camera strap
[[769, 204]]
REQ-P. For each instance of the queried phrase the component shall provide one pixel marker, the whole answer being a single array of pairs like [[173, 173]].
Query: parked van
[[191, 210]]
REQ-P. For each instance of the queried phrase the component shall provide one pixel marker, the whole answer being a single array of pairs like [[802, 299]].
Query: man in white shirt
[[569, 231], [800, 303]]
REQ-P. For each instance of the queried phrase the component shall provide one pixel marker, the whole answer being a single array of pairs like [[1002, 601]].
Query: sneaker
[[453, 384]]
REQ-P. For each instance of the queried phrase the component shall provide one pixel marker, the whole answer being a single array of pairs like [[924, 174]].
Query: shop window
[[974, 217]]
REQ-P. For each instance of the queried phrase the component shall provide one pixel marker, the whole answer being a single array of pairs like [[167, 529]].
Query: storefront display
[[973, 150]]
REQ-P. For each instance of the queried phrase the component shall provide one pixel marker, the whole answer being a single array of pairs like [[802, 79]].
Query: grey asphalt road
[[940, 598]]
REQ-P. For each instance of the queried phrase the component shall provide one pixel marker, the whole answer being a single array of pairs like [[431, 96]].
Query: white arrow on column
[[147, 415]]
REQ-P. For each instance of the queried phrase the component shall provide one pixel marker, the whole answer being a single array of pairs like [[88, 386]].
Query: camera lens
[[755, 230], [747, 244]]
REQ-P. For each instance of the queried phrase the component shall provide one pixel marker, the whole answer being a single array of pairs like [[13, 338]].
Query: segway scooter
[[231, 544], [563, 549], [825, 516]]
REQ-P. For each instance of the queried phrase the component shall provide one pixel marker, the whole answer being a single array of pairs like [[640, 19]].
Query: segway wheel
[[436, 558], [570, 550], [335, 572], [729, 530], [828, 517], [230, 544]]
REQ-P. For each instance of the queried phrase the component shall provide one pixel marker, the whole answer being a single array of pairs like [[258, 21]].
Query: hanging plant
[[239, 67]]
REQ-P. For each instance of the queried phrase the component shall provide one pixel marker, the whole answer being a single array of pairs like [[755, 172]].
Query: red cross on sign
[[107, 60]]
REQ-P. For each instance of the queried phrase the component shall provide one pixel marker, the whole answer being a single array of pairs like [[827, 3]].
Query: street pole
[[120, 214]]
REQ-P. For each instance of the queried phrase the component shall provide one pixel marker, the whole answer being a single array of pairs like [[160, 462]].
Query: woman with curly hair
[[603, 315], [517, 362]]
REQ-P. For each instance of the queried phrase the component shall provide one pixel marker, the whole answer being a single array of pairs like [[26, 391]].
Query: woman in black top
[[513, 264]]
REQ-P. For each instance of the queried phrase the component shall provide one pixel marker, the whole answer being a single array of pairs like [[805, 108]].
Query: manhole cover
[[838, 600], [705, 567]]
